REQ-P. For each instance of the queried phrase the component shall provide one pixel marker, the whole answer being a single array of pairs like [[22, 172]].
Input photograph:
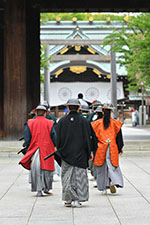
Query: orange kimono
[[106, 137]]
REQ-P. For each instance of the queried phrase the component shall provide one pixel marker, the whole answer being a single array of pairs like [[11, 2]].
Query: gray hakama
[[108, 174], [75, 184], [40, 179]]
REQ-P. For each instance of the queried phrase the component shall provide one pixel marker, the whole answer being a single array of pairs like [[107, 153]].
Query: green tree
[[133, 44], [45, 17], [43, 62]]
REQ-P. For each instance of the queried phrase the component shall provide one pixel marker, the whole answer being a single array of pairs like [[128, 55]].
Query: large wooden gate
[[20, 52]]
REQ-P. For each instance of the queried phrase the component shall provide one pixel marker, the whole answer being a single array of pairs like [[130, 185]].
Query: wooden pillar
[[56, 111], [15, 102], [21, 64], [113, 83], [1, 73], [33, 56]]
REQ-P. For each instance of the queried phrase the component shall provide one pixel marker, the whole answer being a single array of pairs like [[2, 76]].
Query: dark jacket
[[75, 140], [119, 141]]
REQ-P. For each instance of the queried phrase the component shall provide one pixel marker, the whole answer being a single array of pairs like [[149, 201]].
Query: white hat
[[85, 108], [73, 101], [96, 103], [98, 109], [108, 106], [40, 107]]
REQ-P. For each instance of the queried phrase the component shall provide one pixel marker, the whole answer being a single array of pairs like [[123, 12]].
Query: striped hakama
[[40, 179], [108, 174], [74, 183]]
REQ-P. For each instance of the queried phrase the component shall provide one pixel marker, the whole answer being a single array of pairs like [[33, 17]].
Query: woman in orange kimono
[[110, 144]]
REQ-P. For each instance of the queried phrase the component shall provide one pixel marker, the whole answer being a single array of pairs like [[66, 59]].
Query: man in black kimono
[[75, 143]]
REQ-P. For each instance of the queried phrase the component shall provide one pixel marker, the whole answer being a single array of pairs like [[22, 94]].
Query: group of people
[[73, 142]]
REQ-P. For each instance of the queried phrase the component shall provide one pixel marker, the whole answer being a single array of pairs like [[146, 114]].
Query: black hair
[[80, 95], [106, 118], [73, 107], [40, 112], [99, 115]]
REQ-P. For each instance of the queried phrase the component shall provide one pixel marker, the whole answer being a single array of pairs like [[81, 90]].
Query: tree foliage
[[133, 44], [45, 17], [43, 62]]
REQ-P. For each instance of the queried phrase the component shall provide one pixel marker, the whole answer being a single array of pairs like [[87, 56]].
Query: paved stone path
[[130, 206]]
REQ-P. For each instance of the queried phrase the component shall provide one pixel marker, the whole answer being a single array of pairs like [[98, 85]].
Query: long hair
[[106, 118]]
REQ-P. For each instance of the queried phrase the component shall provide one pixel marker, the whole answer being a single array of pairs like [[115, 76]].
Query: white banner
[[60, 92]]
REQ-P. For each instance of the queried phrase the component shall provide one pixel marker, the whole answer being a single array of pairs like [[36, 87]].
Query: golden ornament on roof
[[77, 37], [90, 19], [58, 72], [108, 19], [77, 48], [64, 50], [78, 69], [126, 18], [74, 19], [91, 50], [97, 72], [58, 19], [108, 76]]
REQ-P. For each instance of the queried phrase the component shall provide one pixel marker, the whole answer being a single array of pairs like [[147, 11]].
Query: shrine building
[[80, 69]]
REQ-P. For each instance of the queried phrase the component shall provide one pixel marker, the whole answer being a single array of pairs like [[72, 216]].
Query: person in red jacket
[[40, 139]]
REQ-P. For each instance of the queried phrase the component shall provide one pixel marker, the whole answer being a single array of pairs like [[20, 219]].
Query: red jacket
[[40, 129]]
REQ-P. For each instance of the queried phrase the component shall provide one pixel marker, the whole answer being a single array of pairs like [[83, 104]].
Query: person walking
[[49, 115], [75, 146], [40, 140], [99, 112], [84, 111], [94, 105], [110, 144]]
